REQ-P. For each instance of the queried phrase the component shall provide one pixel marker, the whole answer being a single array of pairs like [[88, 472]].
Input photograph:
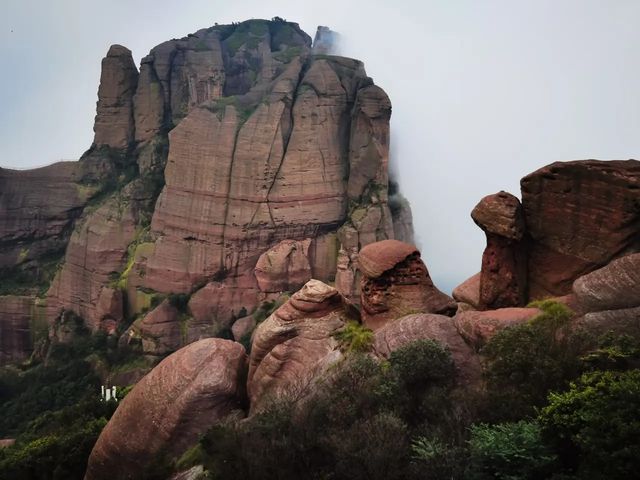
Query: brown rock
[[295, 344], [624, 321], [285, 267], [160, 330], [477, 328], [7, 442], [148, 102], [503, 275], [580, 216], [114, 125], [215, 306], [167, 410], [395, 282], [243, 326], [405, 330], [97, 248], [614, 286], [469, 291], [22, 320]]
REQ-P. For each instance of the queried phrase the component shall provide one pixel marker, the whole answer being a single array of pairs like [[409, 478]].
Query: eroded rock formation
[[295, 345], [504, 270], [169, 408], [395, 283], [579, 216]]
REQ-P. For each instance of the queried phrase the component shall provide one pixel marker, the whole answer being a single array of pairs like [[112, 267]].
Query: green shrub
[[525, 362], [354, 337], [595, 425], [508, 451]]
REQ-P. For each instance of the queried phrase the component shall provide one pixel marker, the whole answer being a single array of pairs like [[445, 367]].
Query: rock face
[[19, 320], [440, 328], [235, 165], [395, 282], [477, 328], [180, 399], [579, 216], [160, 330], [284, 267], [615, 286], [469, 291], [295, 344], [114, 126], [503, 275]]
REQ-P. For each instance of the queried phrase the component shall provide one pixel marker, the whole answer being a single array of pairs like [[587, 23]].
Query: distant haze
[[483, 92]]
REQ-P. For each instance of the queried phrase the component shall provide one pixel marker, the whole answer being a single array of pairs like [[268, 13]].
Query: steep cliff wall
[[224, 144]]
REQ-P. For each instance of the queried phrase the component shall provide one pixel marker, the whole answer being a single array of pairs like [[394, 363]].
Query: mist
[[483, 92]]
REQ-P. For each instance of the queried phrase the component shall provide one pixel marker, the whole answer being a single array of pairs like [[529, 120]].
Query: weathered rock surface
[[614, 286], [295, 344], [160, 330], [504, 266], [477, 328], [440, 328], [285, 267], [395, 283], [579, 216], [20, 319], [169, 408], [624, 321], [469, 291], [114, 125], [243, 327]]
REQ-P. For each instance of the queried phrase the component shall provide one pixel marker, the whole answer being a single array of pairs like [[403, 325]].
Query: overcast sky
[[483, 92]]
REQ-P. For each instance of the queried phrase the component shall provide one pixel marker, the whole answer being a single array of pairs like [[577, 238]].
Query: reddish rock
[[166, 412], [624, 321], [440, 328], [469, 291], [160, 330], [22, 321], [580, 216], [98, 247], [477, 328], [503, 274], [242, 327], [285, 267], [215, 306], [114, 125], [292, 347], [395, 282], [614, 286]]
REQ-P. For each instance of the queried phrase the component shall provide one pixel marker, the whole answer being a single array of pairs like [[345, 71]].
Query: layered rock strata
[[181, 398], [504, 269], [296, 344], [395, 283]]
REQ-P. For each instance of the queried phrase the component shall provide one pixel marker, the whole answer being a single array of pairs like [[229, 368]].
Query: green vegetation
[[355, 337], [288, 54], [595, 425], [524, 363], [30, 278]]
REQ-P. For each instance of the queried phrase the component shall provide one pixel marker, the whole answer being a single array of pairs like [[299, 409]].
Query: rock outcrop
[[395, 283], [421, 326], [295, 345], [235, 165], [169, 408], [21, 321], [478, 327], [468, 292], [504, 269], [579, 215], [114, 125]]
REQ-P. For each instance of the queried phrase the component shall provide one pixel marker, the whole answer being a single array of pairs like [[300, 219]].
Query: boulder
[[295, 345], [579, 215], [614, 286], [395, 283], [161, 330], [440, 328], [285, 267], [242, 327], [624, 321], [503, 274], [477, 328], [469, 291], [166, 412]]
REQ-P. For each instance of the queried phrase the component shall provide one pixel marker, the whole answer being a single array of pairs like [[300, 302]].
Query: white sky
[[483, 92]]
